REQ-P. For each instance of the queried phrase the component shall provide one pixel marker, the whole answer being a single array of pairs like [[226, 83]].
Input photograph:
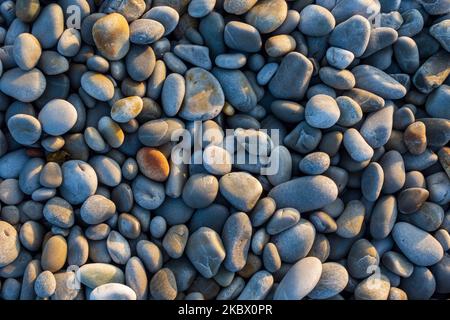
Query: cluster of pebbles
[[93, 206]]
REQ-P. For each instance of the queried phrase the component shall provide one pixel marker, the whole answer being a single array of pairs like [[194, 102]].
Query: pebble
[[322, 189], [238, 7], [10, 193], [322, 112], [153, 164], [300, 280], [165, 15], [415, 138], [57, 117], [206, 252], [200, 8], [163, 285], [200, 190], [112, 291], [27, 10], [241, 189], [333, 280], [397, 263], [69, 43], [410, 200], [10, 244], [150, 255], [295, 242], [194, 54], [378, 82], [258, 287], [25, 129], [140, 62], [356, 146], [296, 69], [363, 259], [146, 31], [431, 74], [45, 284], [236, 235], [94, 275], [339, 58], [418, 246], [353, 35], [394, 171], [374, 287], [236, 87], [383, 217], [282, 219], [126, 109], [118, 247], [280, 45], [49, 25], [27, 51], [107, 170], [14, 80], [337, 79], [350, 222], [54, 254], [111, 35], [204, 98], [175, 240], [267, 16], [111, 132], [79, 181], [97, 86], [316, 21], [435, 102], [421, 285], [97, 209], [59, 212]]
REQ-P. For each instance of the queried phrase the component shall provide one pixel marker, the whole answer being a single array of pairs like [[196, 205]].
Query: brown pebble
[[410, 200], [54, 254], [415, 138], [111, 35], [163, 285], [251, 267], [153, 164]]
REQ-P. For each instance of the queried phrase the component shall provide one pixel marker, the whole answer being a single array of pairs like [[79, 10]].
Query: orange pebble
[[153, 164]]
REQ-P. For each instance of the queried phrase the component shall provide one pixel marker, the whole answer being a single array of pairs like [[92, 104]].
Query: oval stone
[[305, 193], [204, 98]]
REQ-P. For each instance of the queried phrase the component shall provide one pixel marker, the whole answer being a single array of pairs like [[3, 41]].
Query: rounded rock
[[111, 36], [112, 291], [27, 51], [79, 181], [97, 209], [25, 86], [126, 109], [25, 129], [45, 284], [57, 117], [267, 15], [300, 280], [153, 164], [316, 21], [322, 111], [418, 246], [54, 254], [333, 280], [241, 189], [9, 244]]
